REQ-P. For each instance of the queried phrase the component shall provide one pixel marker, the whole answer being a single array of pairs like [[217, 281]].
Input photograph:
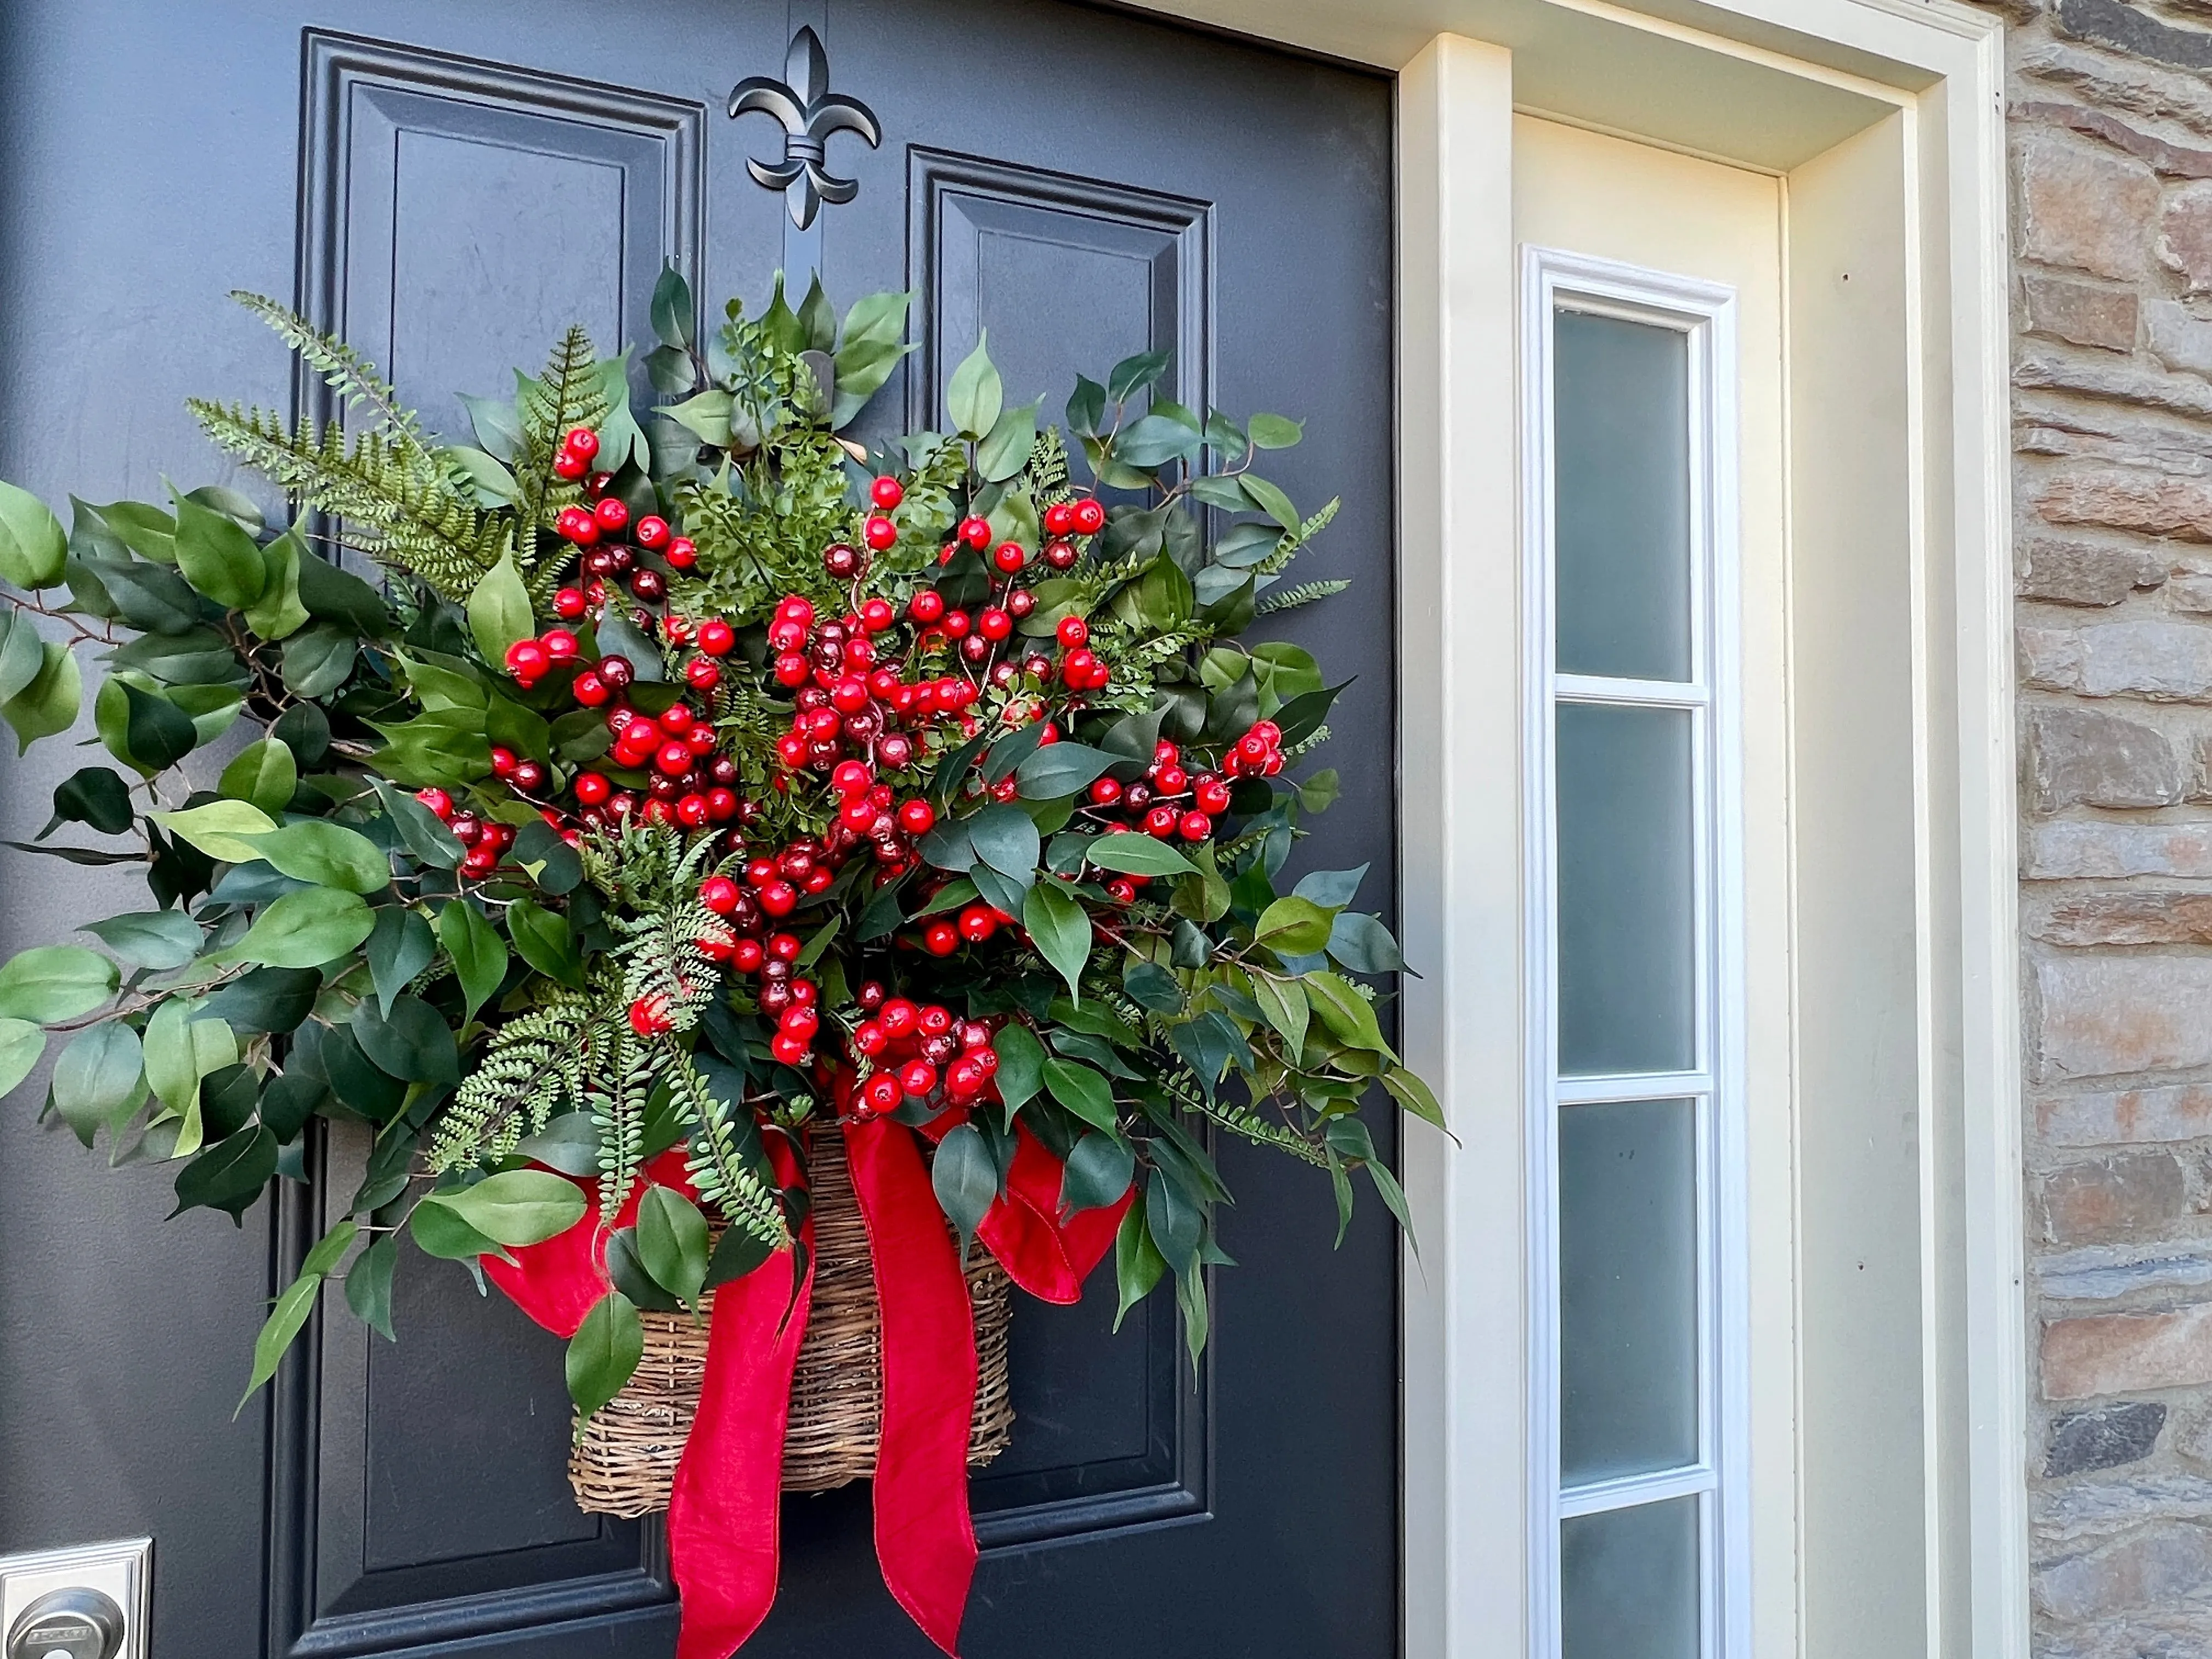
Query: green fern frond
[[351, 375], [1047, 469], [716, 1166], [618, 1099], [398, 505], [1287, 549], [1291, 597], [530, 1065], [568, 395], [1306, 745], [1184, 1087]]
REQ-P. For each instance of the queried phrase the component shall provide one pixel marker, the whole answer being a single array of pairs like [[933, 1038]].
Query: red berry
[[881, 1094], [682, 553], [1211, 795], [577, 524], [502, 760], [1077, 666], [715, 637], [976, 532], [616, 671], [748, 957], [927, 606], [1105, 792], [589, 690], [899, 1019], [940, 938], [1171, 779], [916, 817], [581, 440], [570, 466], [672, 758], [918, 1077], [1009, 556], [956, 624], [1194, 826], [593, 788], [849, 695], [792, 669], [1161, 821], [784, 947], [528, 659], [1089, 517], [977, 923], [851, 779], [786, 1049], [994, 625], [569, 602], [702, 675], [779, 898], [868, 1037], [648, 1015], [719, 893], [880, 533], [692, 811], [1059, 519], [887, 493], [721, 805], [678, 719], [612, 512], [1072, 631], [1122, 891], [560, 645], [437, 800], [876, 615], [652, 531], [1061, 556]]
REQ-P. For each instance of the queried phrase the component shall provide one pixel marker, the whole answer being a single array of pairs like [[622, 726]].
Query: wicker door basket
[[624, 1460]]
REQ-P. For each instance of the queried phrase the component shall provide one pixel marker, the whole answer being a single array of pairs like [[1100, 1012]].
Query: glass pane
[[1627, 953], [1621, 443], [1628, 1289], [1628, 1582]]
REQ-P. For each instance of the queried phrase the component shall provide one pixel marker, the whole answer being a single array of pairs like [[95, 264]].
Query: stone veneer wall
[[2112, 175]]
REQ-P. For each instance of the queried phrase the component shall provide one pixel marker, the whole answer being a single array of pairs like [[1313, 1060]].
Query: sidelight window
[[1634, 907]]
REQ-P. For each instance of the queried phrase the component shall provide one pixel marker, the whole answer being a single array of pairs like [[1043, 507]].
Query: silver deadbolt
[[75, 1623]]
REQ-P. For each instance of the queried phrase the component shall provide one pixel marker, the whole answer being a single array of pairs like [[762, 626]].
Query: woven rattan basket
[[624, 1461]]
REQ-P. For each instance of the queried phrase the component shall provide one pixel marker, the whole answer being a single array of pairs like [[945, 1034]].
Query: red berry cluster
[[1169, 802], [485, 838], [919, 1052]]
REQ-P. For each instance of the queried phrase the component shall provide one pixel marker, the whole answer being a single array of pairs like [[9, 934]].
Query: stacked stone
[[2111, 106]]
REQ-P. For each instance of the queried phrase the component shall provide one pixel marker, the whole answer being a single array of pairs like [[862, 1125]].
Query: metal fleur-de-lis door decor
[[810, 112]]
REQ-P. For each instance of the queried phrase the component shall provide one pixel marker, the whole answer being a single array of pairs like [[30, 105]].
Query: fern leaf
[[716, 1166], [618, 1103], [351, 375], [529, 1065], [1291, 597], [1287, 549]]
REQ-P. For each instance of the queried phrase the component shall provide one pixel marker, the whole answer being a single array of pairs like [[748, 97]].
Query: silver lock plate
[[84, 1601]]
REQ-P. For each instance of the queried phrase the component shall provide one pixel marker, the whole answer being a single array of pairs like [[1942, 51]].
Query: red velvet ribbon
[[723, 1531]]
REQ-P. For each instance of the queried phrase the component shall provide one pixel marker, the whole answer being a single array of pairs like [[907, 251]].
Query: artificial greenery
[[437, 894]]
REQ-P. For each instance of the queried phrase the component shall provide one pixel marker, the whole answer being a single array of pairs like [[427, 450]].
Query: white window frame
[[1705, 314]]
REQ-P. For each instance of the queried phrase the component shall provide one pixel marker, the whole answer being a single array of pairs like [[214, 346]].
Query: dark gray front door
[[450, 181]]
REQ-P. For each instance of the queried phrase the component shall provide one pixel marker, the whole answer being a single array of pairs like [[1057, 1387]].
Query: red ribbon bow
[[724, 1517]]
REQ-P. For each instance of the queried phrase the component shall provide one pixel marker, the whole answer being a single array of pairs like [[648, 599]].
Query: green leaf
[[518, 1206], [1274, 431], [217, 557], [1060, 928], [1082, 1092], [553, 865], [705, 416], [22, 1046], [51, 982], [424, 833], [229, 1174], [156, 733], [604, 1351], [736, 1254], [159, 940], [1293, 926], [672, 1241], [1006, 449], [326, 854], [1271, 501], [975, 395], [1061, 768], [1137, 1263], [411, 1043], [1415, 1096], [286, 1320], [1098, 1171], [399, 947], [499, 611], [479, 953], [545, 941], [100, 1077], [1154, 440], [1139, 855], [1006, 838], [316, 660], [617, 638], [268, 999], [438, 1230], [1151, 986], [1174, 1220], [674, 315], [95, 796], [333, 595], [21, 653], [50, 702], [306, 929], [279, 612], [1021, 1064], [1318, 792], [264, 774], [966, 1180], [1283, 1003], [226, 831], [33, 548], [1133, 374], [1361, 943], [1348, 1015], [368, 1285]]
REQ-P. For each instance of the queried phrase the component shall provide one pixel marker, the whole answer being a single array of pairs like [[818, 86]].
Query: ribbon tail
[[724, 1518], [924, 1538], [1047, 1256]]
